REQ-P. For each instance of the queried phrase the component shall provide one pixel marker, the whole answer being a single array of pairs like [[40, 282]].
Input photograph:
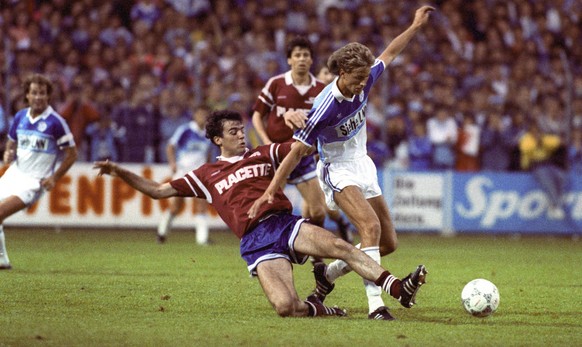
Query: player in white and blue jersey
[[188, 148], [347, 175], [40, 150]]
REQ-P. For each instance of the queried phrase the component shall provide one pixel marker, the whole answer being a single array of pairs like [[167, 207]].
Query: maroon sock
[[389, 283]]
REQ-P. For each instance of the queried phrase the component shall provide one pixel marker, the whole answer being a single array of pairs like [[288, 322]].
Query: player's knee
[[285, 308], [317, 216], [341, 246], [388, 247], [370, 230]]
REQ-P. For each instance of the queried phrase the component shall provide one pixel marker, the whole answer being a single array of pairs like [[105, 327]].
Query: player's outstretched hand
[[268, 198], [422, 14], [295, 119], [105, 167]]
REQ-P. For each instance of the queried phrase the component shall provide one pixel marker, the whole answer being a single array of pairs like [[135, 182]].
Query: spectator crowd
[[463, 94]]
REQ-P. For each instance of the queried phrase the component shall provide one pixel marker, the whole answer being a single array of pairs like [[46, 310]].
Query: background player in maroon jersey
[[273, 239], [295, 90]]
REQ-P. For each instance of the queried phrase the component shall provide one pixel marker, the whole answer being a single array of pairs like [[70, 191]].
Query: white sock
[[338, 268], [3, 255], [373, 292], [165, 224], [201, 229]]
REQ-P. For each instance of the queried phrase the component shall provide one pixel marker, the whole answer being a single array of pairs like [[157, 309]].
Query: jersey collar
[[338, 94], [289, 79], [43, 115], [233, 159]]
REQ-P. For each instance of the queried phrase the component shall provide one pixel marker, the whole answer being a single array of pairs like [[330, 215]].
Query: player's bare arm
[[401, 41], [298, 151], [68, 161], [259, 125], [149, 187]]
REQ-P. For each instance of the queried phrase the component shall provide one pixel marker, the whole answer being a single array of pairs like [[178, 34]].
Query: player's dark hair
[[350, 57], [40, 80], [301, 42], [215, 122]]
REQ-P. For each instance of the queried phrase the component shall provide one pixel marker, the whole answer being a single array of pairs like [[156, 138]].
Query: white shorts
[[16, 182], [334, 177]]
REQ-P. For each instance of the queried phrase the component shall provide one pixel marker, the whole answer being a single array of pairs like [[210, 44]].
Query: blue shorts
[[272, 238], [304, 171]]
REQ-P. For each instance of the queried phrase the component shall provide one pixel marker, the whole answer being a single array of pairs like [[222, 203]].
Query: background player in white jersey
[[295, 90], [188, 148], [273, 239], [337, 123], [38, 140]]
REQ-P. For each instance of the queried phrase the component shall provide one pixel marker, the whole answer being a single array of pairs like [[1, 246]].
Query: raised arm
[[401, 41], [148, 187], [298, 150]]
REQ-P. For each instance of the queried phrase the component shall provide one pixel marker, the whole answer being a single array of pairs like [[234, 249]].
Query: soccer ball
[[480, 297]]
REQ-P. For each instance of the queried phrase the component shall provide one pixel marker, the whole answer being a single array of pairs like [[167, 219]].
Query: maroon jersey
[[279, 96], [231, 185]]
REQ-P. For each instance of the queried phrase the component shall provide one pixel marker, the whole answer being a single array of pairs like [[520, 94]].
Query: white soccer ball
[[480, 297]]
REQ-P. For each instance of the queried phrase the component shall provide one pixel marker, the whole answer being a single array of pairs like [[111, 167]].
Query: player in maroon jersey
[[274, 239], [295, 90]]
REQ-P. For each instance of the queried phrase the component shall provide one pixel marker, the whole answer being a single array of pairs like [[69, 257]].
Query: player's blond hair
[[350, 57]]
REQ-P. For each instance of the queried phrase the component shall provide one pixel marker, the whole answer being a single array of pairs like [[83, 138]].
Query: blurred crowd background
[[461, 96]]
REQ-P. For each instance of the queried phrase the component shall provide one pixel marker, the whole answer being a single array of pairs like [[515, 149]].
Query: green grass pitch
[[121, 288]]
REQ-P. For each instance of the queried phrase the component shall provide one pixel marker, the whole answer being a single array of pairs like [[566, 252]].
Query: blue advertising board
[[511, 202]]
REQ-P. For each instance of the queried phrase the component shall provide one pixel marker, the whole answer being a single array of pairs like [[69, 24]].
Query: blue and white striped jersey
[[338, 124], [39, 141]]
